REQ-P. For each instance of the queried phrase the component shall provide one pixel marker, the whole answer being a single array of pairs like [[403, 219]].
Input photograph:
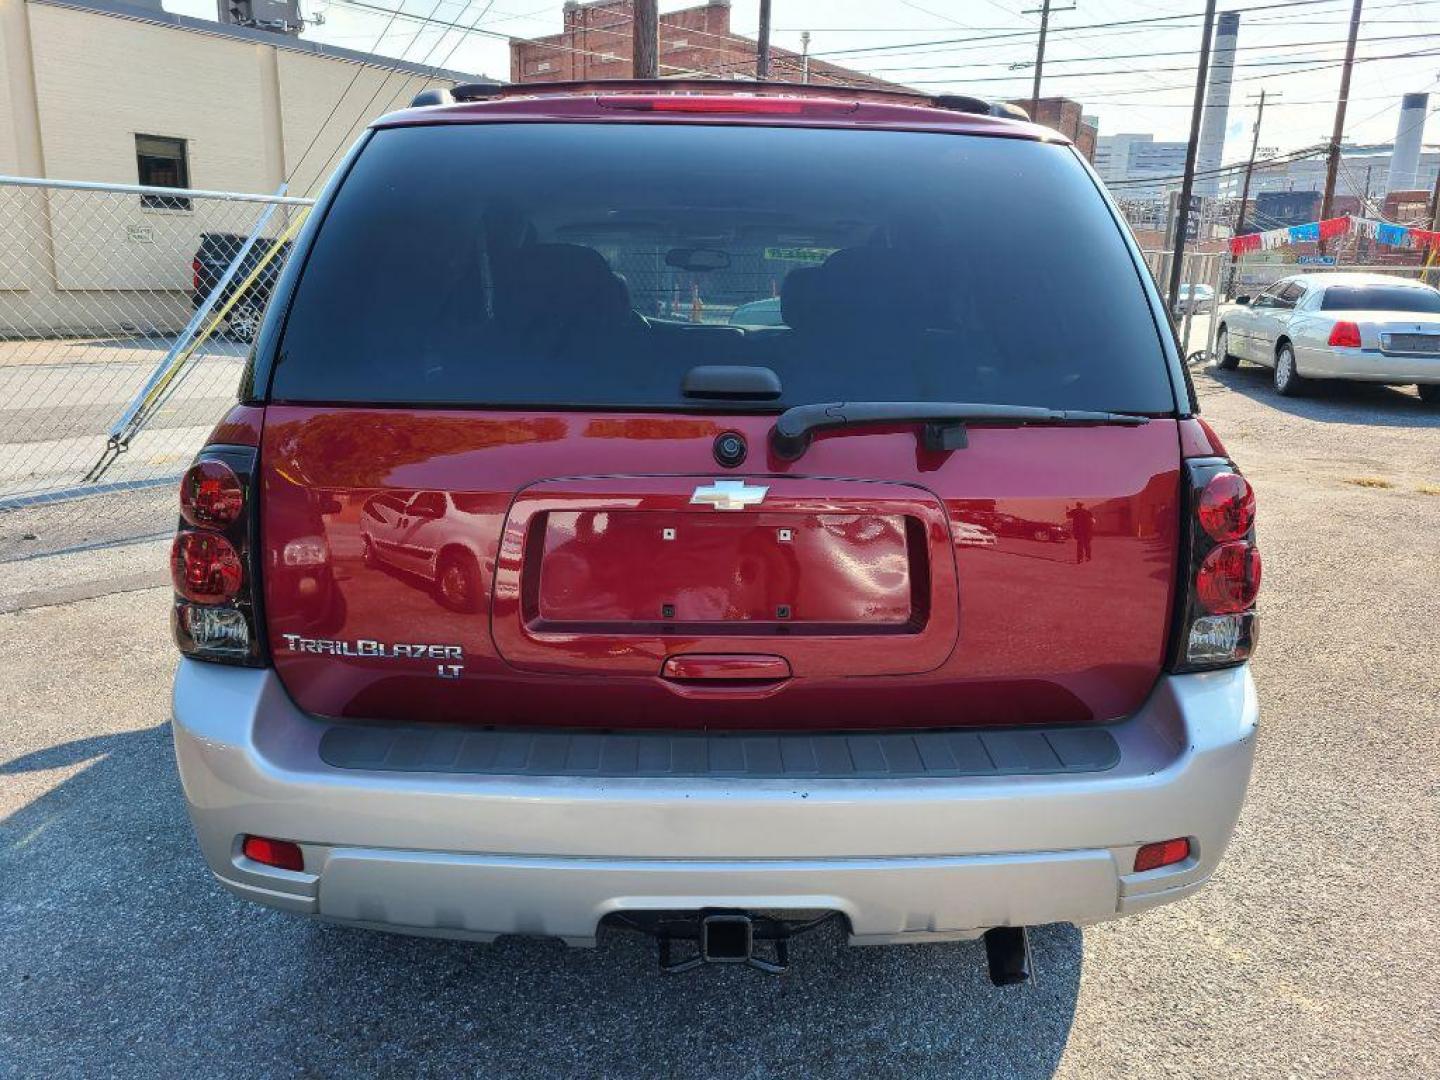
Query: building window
[[542, 67], [162, 162]]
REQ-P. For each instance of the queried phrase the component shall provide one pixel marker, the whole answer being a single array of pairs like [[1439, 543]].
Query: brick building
[[1067, 117], [596, 44], [698, 42]]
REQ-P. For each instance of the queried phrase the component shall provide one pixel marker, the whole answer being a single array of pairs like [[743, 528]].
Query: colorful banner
[[1382, 232]]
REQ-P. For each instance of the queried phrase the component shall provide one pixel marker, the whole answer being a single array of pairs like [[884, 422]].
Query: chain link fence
[[125, 319]]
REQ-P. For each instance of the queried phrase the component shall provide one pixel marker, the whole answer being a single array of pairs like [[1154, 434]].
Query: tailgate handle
[[725, 667]]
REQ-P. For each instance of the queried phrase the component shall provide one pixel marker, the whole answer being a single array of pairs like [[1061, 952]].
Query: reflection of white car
[[1204, 299], [967, 535], [758, 313], [429, 535], [1368, 327]]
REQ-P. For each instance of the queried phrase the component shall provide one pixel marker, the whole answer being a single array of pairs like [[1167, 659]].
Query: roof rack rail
[[482, 91], [982, 106]]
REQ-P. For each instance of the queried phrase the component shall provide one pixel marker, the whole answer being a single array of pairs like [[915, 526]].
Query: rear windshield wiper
[[944, 420]]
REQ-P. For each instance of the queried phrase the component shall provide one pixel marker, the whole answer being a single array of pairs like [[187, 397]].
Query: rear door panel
[[1034, 586]]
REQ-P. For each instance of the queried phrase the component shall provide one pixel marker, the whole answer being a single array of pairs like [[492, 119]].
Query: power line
[[1084, 26], [1171, 52]]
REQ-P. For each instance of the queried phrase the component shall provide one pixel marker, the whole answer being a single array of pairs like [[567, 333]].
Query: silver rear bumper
[[906, 859]]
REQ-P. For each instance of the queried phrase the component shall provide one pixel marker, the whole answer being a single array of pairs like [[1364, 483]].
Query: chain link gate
[[125, 317]]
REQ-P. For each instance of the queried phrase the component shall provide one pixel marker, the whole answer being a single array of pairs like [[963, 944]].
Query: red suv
[[529, 588]]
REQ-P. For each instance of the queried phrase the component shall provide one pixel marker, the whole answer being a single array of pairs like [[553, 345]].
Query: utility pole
[[1044, 12], [1430, 259], [646, 40], [805, 56], [1187, 186], [1333, 163], [1245, 187], [762, 46]]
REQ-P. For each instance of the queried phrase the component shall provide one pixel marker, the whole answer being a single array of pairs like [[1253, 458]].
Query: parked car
[[1365, 327], [216, 252], [1203, 299], [431, 535], [758, 313], [738, 653]]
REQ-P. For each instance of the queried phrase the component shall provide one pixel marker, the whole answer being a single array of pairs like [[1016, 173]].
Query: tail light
[[195, 269], [212, 559], [703, 103], [1219, 569], [1345, 335]]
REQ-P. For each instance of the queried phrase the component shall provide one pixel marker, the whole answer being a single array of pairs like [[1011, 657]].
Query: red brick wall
[[1066, 117]]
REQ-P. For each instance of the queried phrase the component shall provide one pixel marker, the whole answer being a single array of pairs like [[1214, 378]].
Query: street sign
[[1315, 260]]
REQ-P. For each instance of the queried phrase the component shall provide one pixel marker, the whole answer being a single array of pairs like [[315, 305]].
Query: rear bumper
[[906, 859], [1369, 365]]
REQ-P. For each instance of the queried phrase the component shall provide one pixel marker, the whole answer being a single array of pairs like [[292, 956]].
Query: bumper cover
[[906, 858]]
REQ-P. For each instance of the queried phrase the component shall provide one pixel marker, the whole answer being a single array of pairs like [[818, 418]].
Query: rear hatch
[[497, 491]]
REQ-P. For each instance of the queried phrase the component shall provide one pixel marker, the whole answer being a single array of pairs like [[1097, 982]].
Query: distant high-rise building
[[1127, 162], [1217, 104]]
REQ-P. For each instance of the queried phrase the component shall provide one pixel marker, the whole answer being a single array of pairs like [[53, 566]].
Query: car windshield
[[1381, 298], [559, 265]]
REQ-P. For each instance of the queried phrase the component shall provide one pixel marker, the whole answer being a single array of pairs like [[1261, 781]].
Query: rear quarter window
[[592, 265]]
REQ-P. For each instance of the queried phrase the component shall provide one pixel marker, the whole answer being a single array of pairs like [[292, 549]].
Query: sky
[[1137, 78]]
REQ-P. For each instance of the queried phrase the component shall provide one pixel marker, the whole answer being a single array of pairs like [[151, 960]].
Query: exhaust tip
[[1007, 953]]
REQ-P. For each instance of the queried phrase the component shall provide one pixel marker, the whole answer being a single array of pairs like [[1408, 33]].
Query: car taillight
[[195, 268], [211, 495], [205, 567], [211, 565], [1227, 506], [705, 103], [1346, 335], [1219, 568]]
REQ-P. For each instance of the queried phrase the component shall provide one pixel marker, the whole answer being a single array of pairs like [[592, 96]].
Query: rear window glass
[[1380, 298], [595, 264]]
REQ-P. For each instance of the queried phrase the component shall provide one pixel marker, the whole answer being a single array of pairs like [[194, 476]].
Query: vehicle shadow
[[124, 957], [1331, 401]]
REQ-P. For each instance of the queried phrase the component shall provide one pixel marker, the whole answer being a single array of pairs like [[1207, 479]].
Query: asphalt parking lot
[[1315, 951]]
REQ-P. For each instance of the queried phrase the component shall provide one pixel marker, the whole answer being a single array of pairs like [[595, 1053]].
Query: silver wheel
[[1223, 356], [1288, 381], [244, 322]]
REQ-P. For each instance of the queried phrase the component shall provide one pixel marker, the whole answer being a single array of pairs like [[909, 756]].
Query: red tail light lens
[[281, 854], [1165, 853], [211, 495], [195, 273], [1227, 507], [1345, 335], [1229, 578], [700, 103], [205, 567]]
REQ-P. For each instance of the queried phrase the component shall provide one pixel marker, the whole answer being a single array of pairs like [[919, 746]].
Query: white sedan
[[1367, 327]]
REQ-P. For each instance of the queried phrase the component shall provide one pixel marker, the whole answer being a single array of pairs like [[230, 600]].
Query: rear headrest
[[798, 294], [902, 286], [560, 282]]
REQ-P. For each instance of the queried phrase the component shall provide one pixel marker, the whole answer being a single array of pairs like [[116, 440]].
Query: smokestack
[[1217, 103], [1406, 158]]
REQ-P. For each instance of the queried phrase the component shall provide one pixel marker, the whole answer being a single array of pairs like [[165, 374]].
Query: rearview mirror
[[1243, 298], [700, 260]]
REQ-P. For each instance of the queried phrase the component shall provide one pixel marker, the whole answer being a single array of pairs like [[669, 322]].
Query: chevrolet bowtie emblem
[[728, 495]]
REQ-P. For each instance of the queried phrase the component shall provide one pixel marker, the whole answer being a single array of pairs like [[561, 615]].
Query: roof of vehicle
[[721, 102], [1355, 278]]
